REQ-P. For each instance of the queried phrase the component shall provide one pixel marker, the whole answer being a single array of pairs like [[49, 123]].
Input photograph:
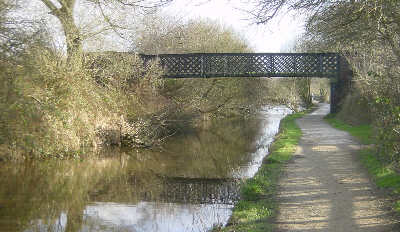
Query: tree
[[367, 33], [209, 97], [339, 21], [265, 10], [16, 33], [166, 34], [63, 10]]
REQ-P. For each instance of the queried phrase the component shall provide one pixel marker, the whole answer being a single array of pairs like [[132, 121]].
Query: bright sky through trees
[[274, 37]]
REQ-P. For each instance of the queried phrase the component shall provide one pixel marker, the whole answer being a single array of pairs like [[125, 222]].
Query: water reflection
[[189, 186], [269, 127], [154, 216]]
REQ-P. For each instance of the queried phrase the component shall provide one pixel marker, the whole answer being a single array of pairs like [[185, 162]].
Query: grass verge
[[382, 174], [362, 132], [257, 205]]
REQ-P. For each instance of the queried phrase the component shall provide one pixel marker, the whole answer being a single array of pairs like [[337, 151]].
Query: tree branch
[[144, 4], [112, 25], [50, 5]]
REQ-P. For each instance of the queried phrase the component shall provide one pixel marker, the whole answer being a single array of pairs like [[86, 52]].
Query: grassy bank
[[362, 132], [257, 206], [381, 172]]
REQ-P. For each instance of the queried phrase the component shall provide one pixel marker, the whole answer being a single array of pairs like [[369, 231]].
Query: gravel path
[[325, 188]]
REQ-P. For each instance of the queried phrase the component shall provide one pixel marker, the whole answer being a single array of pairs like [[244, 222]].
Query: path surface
[[325, 188]]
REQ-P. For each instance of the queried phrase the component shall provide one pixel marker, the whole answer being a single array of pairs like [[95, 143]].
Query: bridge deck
[[204, 65]]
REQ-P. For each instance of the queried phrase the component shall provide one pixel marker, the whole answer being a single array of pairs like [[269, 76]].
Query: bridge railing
[[201, 65]]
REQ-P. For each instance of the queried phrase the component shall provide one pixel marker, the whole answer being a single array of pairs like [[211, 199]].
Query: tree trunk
[[72, 34], [73, 40]]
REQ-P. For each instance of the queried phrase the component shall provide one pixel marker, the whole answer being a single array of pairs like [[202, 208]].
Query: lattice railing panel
[[249, 64], [261, 64], [329, 64], [308, 64], [177, 65], [215, 65]]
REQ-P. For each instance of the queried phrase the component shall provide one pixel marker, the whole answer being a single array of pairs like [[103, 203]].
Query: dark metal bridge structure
[[218, 65]]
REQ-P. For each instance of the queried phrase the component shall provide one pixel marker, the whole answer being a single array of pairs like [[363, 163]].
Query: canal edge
[[258, 207]]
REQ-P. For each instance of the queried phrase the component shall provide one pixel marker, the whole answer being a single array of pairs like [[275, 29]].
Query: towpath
[[325, 188]]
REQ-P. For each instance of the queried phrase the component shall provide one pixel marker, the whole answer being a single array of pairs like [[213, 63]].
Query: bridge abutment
[[340, 85]]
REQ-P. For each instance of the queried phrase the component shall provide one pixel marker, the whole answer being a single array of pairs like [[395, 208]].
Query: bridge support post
[[333, 103], [341, 84]]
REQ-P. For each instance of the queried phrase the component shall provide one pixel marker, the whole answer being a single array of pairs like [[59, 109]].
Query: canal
[[189, 184]]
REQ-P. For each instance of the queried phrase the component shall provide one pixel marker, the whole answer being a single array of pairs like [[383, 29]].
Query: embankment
[[257, 205]]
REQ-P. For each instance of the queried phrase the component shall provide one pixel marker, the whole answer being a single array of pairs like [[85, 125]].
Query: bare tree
[[263, 11], [63, 10], [16, 33]]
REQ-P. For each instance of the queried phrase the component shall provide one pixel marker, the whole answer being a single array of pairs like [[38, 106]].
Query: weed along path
[[325, 188]]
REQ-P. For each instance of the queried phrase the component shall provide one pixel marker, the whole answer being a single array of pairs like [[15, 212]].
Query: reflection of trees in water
[[195, 168], [43, 191], [213, 152], [200, 191], [171, 190]]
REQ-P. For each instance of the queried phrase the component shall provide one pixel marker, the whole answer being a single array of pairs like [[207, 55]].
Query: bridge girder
[[220, 65], [208, 65]]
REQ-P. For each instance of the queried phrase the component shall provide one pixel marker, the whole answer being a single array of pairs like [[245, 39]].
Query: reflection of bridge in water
[[194, 191]]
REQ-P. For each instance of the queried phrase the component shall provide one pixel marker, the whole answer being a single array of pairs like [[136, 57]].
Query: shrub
[[51, 108]]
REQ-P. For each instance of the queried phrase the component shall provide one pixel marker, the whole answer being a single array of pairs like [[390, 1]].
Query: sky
[[274, 37]]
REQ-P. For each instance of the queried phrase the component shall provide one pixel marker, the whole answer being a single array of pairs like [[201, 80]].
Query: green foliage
[[383, 175], [388, 128], [257, 204]]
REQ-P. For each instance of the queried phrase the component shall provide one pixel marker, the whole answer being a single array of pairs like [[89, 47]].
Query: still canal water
[[190, 184]]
